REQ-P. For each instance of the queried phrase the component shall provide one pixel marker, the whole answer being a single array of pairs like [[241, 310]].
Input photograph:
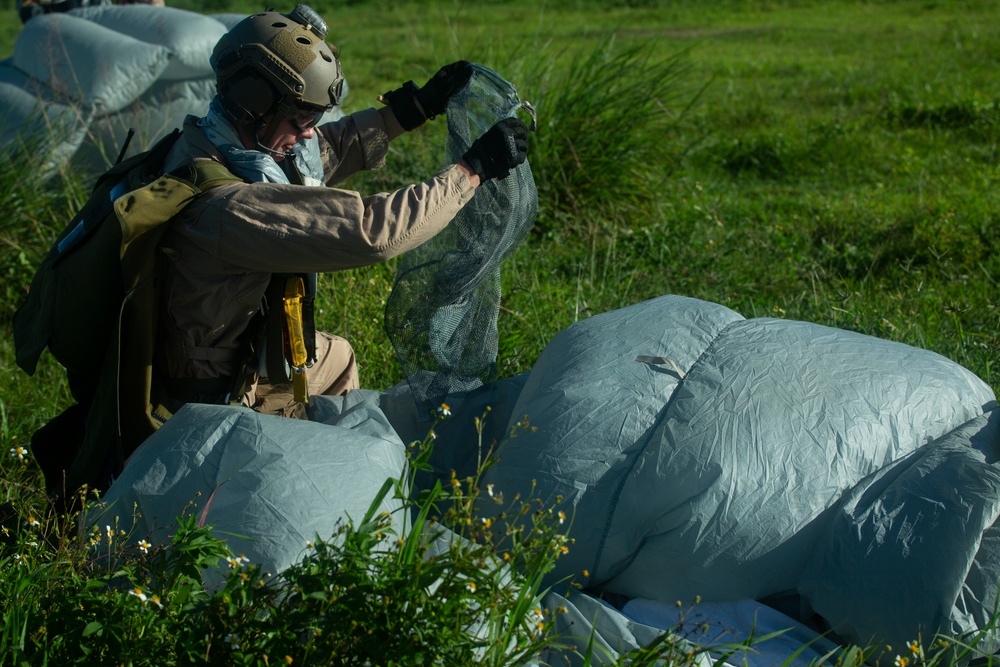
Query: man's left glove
[[501, 148], [413, 106]]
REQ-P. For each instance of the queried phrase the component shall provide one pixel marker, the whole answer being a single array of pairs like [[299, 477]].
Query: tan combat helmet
[[278, 65]]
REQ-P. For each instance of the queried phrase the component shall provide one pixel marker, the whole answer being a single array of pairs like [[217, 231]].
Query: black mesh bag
[[441, 316]]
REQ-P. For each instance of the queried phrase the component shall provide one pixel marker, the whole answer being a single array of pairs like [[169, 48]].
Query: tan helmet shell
[[272, 62]]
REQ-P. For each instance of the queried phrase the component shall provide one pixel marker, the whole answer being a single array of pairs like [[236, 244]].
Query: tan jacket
[[219, 254]]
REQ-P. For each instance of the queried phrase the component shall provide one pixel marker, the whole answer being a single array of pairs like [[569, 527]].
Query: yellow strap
[[295, 290]]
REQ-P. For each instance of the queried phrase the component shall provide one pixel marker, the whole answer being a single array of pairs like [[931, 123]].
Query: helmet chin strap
[[268, 135]]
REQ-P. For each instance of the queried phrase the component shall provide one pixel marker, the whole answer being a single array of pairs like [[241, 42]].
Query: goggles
[[307, 117]]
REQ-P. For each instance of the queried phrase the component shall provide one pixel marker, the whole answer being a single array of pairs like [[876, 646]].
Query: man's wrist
[[473, 177], [404, 104]]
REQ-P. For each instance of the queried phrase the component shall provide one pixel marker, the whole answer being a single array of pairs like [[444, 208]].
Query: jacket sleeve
[[356, 142], [288, 228]]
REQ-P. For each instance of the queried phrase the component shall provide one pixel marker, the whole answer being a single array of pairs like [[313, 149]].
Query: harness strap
[[198, 389], [276, 365], [197, 353]]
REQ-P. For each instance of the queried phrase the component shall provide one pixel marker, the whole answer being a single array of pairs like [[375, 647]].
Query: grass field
[[829, 161], [836, 165]]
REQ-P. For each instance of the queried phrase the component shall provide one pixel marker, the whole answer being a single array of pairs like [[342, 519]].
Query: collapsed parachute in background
[[79, 80]]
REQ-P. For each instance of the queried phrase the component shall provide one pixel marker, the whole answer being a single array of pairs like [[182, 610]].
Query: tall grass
[[607, 136]]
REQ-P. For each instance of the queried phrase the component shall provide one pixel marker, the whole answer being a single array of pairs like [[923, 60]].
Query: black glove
[[500, 149], [434, 96], [412, 105]]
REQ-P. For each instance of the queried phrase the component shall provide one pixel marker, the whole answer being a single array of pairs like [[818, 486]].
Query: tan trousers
[[334, 374]]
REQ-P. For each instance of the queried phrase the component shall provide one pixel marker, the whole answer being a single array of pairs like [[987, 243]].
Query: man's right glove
[[413, 106], [500, 149]]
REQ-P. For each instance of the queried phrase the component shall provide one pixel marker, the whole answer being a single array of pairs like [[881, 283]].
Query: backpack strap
[[205, 174], [101, 277], [142, 214]]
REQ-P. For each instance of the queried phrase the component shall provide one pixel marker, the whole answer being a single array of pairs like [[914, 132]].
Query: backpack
[[96, 289]]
